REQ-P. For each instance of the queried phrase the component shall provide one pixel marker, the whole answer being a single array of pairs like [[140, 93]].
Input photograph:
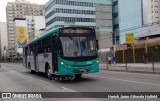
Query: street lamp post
[[114, 45], [115, 38]]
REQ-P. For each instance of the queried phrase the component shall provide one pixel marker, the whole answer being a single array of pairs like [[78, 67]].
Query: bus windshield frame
[[75, 45]]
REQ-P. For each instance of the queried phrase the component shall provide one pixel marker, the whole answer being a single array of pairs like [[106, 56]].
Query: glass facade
[[60, 13], [128, 19], [70, 11], [70, 19]]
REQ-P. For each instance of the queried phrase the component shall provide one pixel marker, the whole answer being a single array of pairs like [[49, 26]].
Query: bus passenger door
[[25, 57], [54, 55], [36, 57]]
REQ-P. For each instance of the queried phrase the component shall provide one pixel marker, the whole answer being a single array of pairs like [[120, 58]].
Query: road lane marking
[[68, 89], [113, 79], [126, 80], [14, 65], [64, 88], [21, 65], [130, 73]]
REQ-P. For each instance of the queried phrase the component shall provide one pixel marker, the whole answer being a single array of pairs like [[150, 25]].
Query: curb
[[144, 72]]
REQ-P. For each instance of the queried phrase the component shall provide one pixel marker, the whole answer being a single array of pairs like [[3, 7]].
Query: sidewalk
[[133, 67]]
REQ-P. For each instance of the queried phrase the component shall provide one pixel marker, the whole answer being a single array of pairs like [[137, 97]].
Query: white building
[[3, 39], [104, 26], [151, 19], [21, 0], [151, 11], [35, 24], [19, 9]]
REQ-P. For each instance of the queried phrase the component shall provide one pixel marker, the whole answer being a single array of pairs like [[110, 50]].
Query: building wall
[[147, 12], [104, 25], [39, 22], [19, 10], [115, 16], [38, 33], [3, 39], [71, 13], [21, 0], [130, 18], [34, 23], [151, 11], [155, 5], [87, 13]]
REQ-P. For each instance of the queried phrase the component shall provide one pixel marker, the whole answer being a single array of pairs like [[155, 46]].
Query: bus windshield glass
[[78, 46]]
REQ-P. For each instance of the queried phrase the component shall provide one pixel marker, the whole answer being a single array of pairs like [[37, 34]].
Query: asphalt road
[[15, 78]]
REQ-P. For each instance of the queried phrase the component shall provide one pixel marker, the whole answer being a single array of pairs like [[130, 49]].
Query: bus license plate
[[82, 70]]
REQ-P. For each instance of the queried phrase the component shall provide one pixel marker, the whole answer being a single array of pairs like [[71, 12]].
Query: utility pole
[[4, 52], [115, 38], [115, 43]]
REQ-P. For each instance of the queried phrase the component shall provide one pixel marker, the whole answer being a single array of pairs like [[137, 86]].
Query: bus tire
[[78, 76], [29, 67], [32, 72]]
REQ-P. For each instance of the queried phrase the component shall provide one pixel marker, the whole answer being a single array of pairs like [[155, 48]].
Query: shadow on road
[[82, 79], [42, 76]]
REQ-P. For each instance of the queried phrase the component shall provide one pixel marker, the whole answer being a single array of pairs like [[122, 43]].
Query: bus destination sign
[[76, 31]]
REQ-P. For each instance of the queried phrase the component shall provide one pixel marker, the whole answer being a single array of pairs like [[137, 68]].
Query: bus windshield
[[78, 46]]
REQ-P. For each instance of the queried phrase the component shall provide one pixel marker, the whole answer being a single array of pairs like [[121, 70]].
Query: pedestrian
[[108, 60]]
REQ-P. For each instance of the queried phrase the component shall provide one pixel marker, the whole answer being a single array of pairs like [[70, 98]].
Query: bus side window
[[31, 50], [25, 50], [28, 50], [59, 46], [35, 49], [47, 44], [48, 48], [40, 48]]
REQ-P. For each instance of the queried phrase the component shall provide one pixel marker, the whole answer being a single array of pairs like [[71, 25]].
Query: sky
[[3, 4]]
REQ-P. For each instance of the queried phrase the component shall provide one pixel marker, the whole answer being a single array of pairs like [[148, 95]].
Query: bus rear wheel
[[29, 67], [78, 76], [32, 72]]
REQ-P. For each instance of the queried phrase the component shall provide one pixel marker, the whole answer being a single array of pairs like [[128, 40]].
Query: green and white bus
[[69, 51]]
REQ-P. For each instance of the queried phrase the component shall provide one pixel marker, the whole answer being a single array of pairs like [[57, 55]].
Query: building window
[[66, 2], [70, 19], [70, 11]]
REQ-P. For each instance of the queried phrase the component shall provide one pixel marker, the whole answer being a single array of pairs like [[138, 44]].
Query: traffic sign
[[129, 38]]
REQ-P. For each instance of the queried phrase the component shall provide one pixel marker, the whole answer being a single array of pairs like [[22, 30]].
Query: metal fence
[[144, 58], [138, 55]]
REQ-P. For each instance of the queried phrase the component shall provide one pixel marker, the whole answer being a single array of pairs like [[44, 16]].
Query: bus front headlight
[[62, 63], [97, 61]]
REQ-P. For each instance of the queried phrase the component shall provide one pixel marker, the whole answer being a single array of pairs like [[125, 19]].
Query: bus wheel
[[49, 74], [78, 76], [29, 67], [32, 72]]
